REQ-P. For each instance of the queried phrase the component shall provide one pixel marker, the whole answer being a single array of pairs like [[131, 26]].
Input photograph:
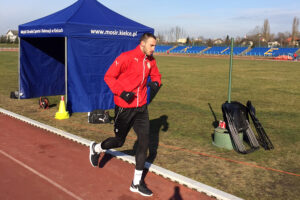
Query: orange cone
[[62, 113]]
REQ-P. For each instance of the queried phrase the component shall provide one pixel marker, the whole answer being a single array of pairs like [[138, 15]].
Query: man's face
[[148, 46]]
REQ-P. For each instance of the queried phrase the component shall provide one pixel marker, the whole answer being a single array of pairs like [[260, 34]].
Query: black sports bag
[[99, 117]]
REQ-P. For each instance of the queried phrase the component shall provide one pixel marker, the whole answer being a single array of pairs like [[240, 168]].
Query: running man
[[127, 79]]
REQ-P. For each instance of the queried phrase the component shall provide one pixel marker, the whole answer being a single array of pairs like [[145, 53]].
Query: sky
[[210, 18]]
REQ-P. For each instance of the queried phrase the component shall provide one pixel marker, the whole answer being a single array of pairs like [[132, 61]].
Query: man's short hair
[[145, 37]]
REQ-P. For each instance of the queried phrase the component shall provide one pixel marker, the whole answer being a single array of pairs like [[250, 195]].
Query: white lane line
[[41, 175]]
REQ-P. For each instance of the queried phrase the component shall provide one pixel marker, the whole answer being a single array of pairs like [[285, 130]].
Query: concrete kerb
[[200, 187]]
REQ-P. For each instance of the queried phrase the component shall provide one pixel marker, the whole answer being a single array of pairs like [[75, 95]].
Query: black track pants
[[125, 118]]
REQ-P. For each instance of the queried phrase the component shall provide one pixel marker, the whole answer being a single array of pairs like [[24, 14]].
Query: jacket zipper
[[137, 104]]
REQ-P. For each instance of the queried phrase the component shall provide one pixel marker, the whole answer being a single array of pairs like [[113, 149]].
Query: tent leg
[[19, 57], [66, 69]]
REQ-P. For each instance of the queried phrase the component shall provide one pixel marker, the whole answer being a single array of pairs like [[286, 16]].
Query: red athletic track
[[37, 164], [9, 49]]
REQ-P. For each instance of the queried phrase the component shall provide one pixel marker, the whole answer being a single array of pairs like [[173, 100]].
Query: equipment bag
[[263, 138], [99, 117], [235, 115], [14, 95]]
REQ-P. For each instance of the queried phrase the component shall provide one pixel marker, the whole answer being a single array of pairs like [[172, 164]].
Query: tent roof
[[83, 18]]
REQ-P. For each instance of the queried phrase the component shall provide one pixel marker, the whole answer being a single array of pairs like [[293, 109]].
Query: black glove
[[154, 86], [127, 96]]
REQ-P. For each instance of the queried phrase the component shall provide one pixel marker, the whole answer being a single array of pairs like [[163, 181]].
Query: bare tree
[[282, 38], [171, 35], [295, 29], [179, 33], [209, 42], [227, 41], [16, 40], [3, 39], [255, 35], [237, 41], [160, 37], [266, 30], [256, 31], [175, 33], [200, 40], [272, 36]]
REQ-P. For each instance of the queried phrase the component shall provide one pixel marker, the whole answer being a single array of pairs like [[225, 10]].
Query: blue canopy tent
[[68, 52]]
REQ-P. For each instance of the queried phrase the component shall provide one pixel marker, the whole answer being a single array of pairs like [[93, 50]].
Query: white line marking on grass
[[41, 175]]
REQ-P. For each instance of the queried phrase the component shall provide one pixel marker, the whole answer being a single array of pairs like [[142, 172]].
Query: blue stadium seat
[[178, 49], [262, 51], [162, 48], [195, 49], [215, 50], [257, 51], [236, 50], [284, 51]]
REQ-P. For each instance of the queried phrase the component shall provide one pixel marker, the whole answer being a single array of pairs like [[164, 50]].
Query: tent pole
[[19, 57], [66, 69]]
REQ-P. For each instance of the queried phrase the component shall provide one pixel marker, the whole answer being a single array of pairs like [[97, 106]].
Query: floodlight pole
[[230, 71]]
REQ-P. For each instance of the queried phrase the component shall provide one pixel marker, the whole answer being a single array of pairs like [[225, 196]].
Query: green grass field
[[182, 122], [11, 45]]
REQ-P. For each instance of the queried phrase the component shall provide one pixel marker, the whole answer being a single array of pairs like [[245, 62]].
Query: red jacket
[[129, 72]]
